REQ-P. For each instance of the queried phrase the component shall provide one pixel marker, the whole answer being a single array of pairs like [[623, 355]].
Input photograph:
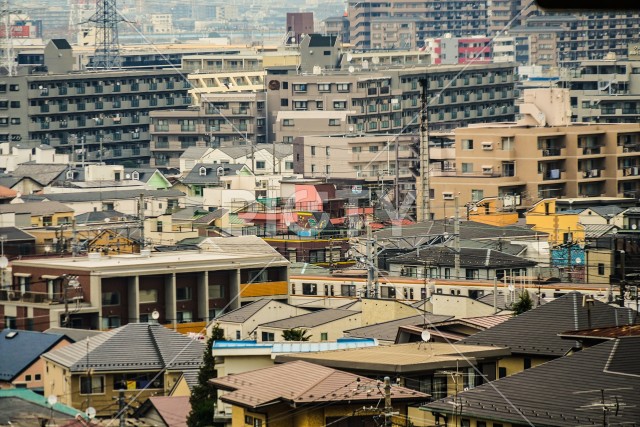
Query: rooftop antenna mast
[[107, 52]]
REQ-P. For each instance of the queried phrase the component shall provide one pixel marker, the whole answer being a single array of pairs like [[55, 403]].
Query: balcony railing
[[548, 152], [552, 174]]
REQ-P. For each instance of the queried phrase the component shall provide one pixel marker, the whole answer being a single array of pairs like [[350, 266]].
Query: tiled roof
[[19, 349], [90, 196], [211, 173], [73, 334], [480, 322], [101, 216], [15, 234], [210, 217], [35, 208], [605, 211], [311, 320], [593, 231], [469, 258], [236, 151], [42, 173], [536, 331], [244, 313], [302, 383], [132, 347], [7, 193], [605, 333], [22, 407], [194, 153], [563, 392], [173, 410], [387, 331]]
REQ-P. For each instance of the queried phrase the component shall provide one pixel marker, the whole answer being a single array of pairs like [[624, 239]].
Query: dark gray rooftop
[[244, 313], [89, 196], [15, 234], [387, 331], [563, 392], [45, 174], [536, 331], [73, 334], [35, 208], [469, 258], [210, 175], [101, 216], [132, 347], [311, 320]]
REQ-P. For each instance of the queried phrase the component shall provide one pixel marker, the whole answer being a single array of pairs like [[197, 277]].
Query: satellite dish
[[52, 399], [128, 176], [578, 260], [155, 315], [511, 288], [375, 60], [425, 335], [4, 262], [634, 226], [91, 412], [351, 69], [349, 57]]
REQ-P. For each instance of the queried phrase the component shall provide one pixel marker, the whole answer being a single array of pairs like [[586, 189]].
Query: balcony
[[591, 151], [552, 174], [551, 152], [591, 173]]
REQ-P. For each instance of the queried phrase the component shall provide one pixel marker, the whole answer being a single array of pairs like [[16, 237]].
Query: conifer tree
[[204, 396]]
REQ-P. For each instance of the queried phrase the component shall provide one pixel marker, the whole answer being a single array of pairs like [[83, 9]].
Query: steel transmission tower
[[106, 18]]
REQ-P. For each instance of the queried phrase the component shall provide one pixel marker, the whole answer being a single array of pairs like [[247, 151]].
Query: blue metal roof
[[240, 344], [19, 349]]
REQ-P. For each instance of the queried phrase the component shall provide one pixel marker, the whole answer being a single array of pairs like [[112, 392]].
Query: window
[[309, 289], [356, 149], [343, 87], [138, 381], [110, 298], [302, 87], [27, 377], [159, 226], [111, 322], [324, 87], [260, 164], [238, 336], [258, 276], [340, 105], [326, 151], [216, 291], [183, 294], [92, 384], [324, 336], [472, 273], [15, 120], [527, 363], [373, 148], [14, 87], [148, 296], [38, 377], [316, 256], [467, 144], [184, 316], [467, 167], [268, 336], [319, 105], [287, 122], [348, 290], [601, 269], [334, 122], [299, 105], [313, 150], [10, 322], [284, 102], [387, 292], [502, 372], [15, 104], [288, 165], [477, 195]]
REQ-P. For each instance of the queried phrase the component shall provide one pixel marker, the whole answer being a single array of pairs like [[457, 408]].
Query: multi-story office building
[[389, 99], [96, 116], [219, 119], [337, 26], [523, 164], [604, 91]]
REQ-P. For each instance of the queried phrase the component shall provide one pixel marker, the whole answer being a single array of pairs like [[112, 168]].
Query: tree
[[204, 395], [295, 334], [524, 303]]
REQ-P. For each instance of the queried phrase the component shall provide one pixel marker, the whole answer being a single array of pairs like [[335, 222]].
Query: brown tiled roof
[[481, 322], [606, 333], [7, 193], [301, 383], [172, 409]]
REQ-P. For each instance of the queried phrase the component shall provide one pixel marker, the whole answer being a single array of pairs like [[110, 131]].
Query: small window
[[601, 269], [92, 384], [238, 335], [326, 151], [202, 171], [268, 336], [343, 87], [373, 148], [287, 122], [38, 377], [324, 87], [334, 122], [467, 144], [148, 296], [284, 102], [502, 372], [313, 150], [110, 298], [309, 289], [15, 120], [302, 87], [183, 294], [260, 164], [527, 363], [15, 104], [27, 377], [14, 87], [216, 291], [324, 336]]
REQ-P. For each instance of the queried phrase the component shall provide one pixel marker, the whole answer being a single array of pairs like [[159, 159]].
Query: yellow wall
[[486, 212], [595, 257], [556, 224], [515, 364], [378, 310]]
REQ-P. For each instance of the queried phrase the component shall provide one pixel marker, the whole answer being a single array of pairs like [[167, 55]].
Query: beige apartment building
[[522, 164], [219, 119]]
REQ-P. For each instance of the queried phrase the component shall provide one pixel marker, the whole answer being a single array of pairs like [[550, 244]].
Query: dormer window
[[69, 174], [202, 171], [135, 175]]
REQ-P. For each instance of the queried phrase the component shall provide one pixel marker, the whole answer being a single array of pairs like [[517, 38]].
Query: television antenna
[[605, 406]]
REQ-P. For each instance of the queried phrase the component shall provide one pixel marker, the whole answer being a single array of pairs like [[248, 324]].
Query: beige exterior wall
[[378, 310], [459, 307], [29, 378], [333, 330], [535, 163], [273, 311], [600, 266]]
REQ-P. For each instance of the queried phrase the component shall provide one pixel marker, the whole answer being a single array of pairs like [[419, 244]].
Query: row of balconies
[[106, 89], [73, 124], [109, 106]]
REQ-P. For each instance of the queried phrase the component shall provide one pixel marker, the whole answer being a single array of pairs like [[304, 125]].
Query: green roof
[[33, 397]]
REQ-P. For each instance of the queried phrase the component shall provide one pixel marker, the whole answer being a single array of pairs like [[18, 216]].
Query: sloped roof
[[387, 331], [210, 217], [194, 153], [189, 213], [101, 216], [7, 193], [496, 245], [236, 151], [281, 150], [23, 407], [90, 196], [593, 231], [144, 174], [609, 210], [73, 334], [304, 383], [61, 44], [469, 258], [35, 208], [173, 410], [480, 322], [562, 392], [311, 320], [132, 347], [211, 173], [14, 234], [45, 174], [536, 331], [19, 349], [244, 313]]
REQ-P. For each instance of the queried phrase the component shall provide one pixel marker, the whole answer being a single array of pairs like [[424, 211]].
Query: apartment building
[[96, 116], [388, 99], [604, 91], [218, 119], [115, 290], [461, 50], [523, 164]]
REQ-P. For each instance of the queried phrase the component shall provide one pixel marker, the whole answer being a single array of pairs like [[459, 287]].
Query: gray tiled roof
[[22, 350], [36, 208], [236, 151], [43, 173], [387, 331], [211, 175], [282, 150], [73, 334], [563, 392], [593, 231], [242, 314], [194, 153], [132, 347], [89, 196], [311, 320], [605, 211], [536, 331], [212, 216], [15, 234], [469, 258], [100, 216]]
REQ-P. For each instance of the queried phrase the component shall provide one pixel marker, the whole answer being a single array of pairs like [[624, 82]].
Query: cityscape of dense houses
[[392, 213]]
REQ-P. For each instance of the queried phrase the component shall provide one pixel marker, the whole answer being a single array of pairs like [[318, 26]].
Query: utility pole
[[371, 267], [141, 215], [388, 409], [425, 160], [396, 186], [456, 238], [121, 410], [623, 280], [74, 240]]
